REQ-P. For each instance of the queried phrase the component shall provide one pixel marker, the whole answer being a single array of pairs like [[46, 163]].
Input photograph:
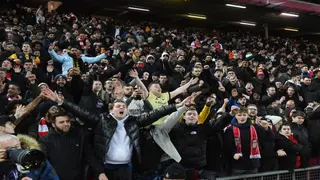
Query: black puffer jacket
[[191, 140], [105, 126]]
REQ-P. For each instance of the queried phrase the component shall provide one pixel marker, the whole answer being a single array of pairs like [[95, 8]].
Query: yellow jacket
[[23, 57]]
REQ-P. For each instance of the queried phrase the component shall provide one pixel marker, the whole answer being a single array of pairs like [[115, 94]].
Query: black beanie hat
[[175, 171]]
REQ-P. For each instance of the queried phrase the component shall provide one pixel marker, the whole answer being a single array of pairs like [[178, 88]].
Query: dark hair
[[284, 124], [59, 113], [11, 105], [15, 84], [128, 85], [162, 74], [4, 120], [192, 108], [26, 43], [298, 113], [240, 97], [117, 101], [271, 87]]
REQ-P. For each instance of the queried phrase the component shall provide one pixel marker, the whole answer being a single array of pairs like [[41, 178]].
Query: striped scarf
[[254, 145], [82, 43], [17, 97], [42, 127]]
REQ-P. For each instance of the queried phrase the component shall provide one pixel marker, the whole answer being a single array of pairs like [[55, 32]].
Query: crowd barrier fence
[[311, 173]]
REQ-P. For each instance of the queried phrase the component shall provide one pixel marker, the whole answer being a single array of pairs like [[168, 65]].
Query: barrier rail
[[311, 173]]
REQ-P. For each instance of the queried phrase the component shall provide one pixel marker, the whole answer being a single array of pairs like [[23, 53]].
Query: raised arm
[[83, 114], [91, 60], [123, 69], [137, 81], [183, 88], [22, 111], [55, 56], [174, 117], [151, 117]]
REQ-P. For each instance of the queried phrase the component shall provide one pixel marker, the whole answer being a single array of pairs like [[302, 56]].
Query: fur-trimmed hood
[[28, 142]]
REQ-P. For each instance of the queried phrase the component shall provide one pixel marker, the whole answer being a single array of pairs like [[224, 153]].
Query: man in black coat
[[66, 148], [115, 135], [190, 139]]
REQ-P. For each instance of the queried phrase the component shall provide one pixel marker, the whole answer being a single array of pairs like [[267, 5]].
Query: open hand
[[133, 73], [49, 94], [264, 124], [234, 110], [193, 81], [185, 102], [20, 111]]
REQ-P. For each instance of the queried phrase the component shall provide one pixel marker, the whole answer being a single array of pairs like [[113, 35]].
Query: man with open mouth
[[116, 135]]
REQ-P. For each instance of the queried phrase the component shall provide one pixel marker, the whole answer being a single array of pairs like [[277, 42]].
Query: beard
[[61, 130]]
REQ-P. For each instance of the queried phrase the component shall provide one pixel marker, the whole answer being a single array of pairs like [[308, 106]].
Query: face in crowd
[[242, 116], [96, 86], [119, 110], [62, 124], [285, 130], [155, 89], [191, 116], [13, 90], [61, 82]]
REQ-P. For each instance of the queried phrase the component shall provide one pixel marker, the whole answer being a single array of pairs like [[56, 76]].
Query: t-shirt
[[158, 102], [136, 108]]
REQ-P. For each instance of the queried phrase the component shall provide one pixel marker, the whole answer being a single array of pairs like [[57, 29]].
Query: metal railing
[[311, 173]]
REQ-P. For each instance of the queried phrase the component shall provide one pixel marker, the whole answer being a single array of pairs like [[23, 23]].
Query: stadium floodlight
[[247, 23], [291, 29], [138, 9], [289, 14], [196, 16], [236, 6]]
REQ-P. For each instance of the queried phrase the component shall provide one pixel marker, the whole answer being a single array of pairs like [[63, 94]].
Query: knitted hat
[[60, 76], [175, 171], [150, 57], [164, 54], [45, 106]]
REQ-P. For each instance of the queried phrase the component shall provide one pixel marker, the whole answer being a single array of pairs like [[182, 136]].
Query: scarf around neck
[[17, 97], [42, 127], [254, 145], [294, 141]]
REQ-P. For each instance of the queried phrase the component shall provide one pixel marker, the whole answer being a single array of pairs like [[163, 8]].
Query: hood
[[164, 53], [28, 142], [149, 57], [234, 122]]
